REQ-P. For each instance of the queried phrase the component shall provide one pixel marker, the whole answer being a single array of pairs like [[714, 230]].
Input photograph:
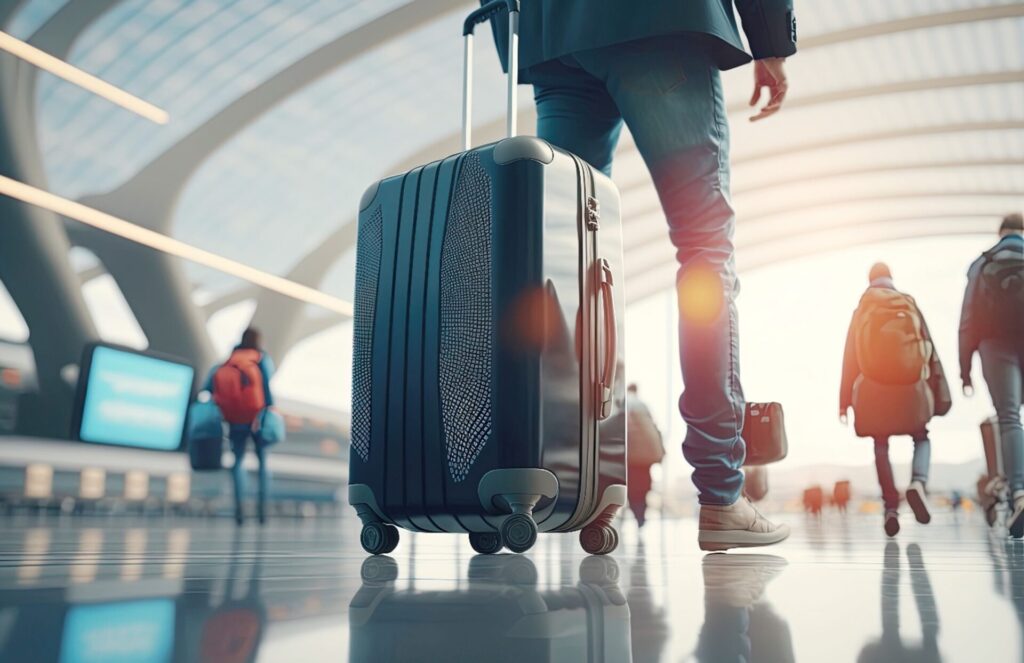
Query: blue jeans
[[918, 467], [1003, 367], [239, 437], [668, 92]]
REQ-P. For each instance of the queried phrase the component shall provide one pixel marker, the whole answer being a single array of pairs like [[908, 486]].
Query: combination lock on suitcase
[[487, 359]]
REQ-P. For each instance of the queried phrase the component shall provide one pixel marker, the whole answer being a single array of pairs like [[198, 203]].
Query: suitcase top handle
[[479, 16]]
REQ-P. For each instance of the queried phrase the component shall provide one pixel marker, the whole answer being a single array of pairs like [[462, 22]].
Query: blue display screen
[[130, 632], [135, 400]]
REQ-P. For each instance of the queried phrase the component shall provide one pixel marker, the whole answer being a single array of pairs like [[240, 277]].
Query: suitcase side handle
[[479, 16], [611, 342]]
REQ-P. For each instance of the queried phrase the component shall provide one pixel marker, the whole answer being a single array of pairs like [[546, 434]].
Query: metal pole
[[467, 94], [513, 72]]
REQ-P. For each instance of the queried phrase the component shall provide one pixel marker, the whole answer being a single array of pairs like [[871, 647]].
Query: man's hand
[[843, 419], [968, 387], [769, 73]]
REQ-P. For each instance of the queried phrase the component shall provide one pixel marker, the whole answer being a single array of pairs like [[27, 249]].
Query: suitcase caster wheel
[[485, 543], [378, 538], [599, 539], [519, 532]]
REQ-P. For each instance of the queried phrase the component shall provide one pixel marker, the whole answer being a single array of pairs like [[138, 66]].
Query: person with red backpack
[[992, 323], [241, 389], [893, 379]]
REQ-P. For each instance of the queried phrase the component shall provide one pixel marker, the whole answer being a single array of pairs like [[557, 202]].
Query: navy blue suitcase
[[487, 382]]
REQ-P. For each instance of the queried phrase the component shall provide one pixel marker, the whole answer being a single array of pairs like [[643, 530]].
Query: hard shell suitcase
[[487, 359]]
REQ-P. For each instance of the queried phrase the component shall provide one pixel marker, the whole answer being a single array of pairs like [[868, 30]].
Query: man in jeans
[[992, 322], [655, 66]]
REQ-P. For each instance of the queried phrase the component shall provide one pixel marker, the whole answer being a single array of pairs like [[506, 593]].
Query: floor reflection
[[119, 590], [501, 613], [890, 647], [739, 624], [227, 626], [1008, 572], [649, 626]]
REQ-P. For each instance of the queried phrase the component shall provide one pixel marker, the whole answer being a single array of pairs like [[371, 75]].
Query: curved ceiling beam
[[886, 134], [757, 219], [919, 22], [846, 171], [752, 218], [900, 87], [654, 274]]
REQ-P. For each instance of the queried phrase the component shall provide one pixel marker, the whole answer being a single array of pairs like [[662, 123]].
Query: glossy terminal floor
[[107, 589]]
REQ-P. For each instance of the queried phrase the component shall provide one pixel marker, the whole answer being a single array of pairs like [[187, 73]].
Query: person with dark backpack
[[992, 323], [893, 379], [241, 389]]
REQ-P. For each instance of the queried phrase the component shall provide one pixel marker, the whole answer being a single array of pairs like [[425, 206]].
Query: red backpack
[[238, 387]]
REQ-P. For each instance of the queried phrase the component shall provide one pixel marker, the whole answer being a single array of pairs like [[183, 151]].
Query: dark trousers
[[638, 485], [919, 467]]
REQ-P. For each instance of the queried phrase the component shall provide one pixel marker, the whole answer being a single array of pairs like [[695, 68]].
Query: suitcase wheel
[[378, 538], [599, 539], [485, 543], [519, 532]]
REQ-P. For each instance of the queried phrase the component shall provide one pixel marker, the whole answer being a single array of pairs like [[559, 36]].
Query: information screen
[[133, 399]]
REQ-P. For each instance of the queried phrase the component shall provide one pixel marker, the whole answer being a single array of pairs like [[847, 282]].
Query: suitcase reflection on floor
[[500, 613], [739, 625]]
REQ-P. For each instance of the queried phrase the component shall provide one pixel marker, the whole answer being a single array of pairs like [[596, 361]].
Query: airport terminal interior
[[177, 173]]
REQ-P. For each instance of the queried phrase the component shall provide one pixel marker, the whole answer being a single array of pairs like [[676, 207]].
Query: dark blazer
[[550, 29]]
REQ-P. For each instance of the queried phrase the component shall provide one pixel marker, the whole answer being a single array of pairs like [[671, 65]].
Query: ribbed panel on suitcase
[[462, 290], [367, 271], [466, 320]]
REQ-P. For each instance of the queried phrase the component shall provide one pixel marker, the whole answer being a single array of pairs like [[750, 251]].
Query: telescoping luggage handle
[[474, 19]]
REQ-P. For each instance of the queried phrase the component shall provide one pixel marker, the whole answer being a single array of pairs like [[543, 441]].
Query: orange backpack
[[238, 387], [891, 348]]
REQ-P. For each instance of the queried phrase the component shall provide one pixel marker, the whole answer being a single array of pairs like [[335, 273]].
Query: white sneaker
[[1015, 523], [738, 525], [918, 501]]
